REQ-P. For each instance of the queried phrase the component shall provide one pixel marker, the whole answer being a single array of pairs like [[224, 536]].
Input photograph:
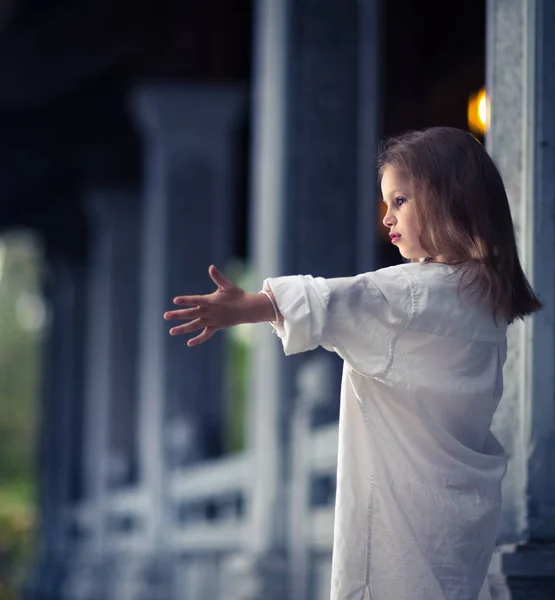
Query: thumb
[[218, 278]]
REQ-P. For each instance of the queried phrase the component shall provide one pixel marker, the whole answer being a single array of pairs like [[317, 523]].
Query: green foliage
[[16, 521], [238, 346], [236, 397], [21, 330]]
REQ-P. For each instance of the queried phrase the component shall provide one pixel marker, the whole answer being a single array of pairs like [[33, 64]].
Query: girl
[[423, 343]]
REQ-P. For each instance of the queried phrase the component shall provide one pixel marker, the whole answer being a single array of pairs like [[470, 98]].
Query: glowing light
[[478, 112], [483, 109]]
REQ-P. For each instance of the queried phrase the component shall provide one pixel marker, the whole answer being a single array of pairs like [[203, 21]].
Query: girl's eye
[[400, 200]]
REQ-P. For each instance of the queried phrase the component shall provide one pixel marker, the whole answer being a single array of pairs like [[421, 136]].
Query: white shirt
[[419, 472]]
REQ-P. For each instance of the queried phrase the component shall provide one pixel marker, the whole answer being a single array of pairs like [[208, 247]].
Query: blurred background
[[141, 142]]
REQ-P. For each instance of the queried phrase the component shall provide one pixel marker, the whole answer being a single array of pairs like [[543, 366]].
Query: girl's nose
[[389, 219]]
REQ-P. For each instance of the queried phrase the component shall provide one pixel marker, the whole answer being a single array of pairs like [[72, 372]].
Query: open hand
[[223, 308]]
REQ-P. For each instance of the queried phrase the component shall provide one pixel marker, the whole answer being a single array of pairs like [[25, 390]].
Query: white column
[[66, 274], [267, 232], [59, 393], [190, 137], [521, 86], [369, 133], [108, 309], [260, 572], [313, 211], [122, 443], [100, 326]]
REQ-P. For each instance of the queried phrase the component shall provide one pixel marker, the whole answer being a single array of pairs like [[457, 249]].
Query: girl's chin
[[412, 254]]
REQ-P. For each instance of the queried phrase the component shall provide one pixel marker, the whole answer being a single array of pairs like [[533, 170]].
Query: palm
[[210, 312]]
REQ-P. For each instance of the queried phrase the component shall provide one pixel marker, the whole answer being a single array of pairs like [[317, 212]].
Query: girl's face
[[400, 217]]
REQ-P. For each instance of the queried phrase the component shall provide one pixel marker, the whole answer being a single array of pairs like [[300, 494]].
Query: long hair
[[463, 214]]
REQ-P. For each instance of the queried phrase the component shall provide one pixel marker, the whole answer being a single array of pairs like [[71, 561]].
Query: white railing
[[79, 524], [125, 519], [207, 502], [314, 464], [323, 462], [209, 478], [221, 484], [323, 449]]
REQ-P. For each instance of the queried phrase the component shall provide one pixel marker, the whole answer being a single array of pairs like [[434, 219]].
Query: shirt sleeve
[[358, 317]]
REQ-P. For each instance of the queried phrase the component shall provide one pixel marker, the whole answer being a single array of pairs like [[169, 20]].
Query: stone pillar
[[59, 389], [107, 316], [78, 325], [101, 323], [190, 140], [521, 86], [261, 570], [315, 110], [122, 443], [331, 207], [113, 312]]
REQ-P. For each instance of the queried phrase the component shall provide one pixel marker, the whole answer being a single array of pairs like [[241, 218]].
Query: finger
[[190, 300], [188, 313], [205, 335], [218, 278], [188, 327]]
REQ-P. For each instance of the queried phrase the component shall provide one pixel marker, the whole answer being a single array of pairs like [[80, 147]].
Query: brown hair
[[463, 203]]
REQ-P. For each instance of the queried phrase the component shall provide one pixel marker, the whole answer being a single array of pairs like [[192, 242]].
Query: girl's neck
[[437, 259]]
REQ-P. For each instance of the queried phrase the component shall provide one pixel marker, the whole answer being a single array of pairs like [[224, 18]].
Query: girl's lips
[[394, 237]]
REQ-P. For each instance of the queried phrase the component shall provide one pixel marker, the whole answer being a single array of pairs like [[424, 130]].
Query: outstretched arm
[[229, 305]]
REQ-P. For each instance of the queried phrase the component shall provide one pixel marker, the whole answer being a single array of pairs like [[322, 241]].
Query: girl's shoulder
[[416, 277], [439, 304], [421, 275]]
